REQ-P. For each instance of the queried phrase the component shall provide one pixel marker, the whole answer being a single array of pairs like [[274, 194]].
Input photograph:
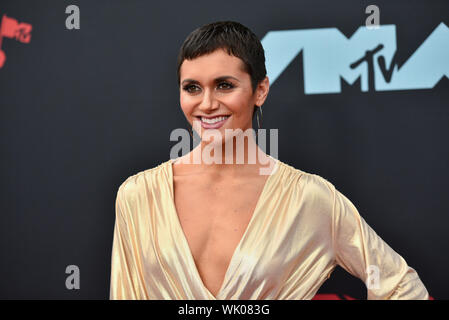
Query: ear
[[262, 91]]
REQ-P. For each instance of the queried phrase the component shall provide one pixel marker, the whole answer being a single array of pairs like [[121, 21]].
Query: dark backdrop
[[82, 110]]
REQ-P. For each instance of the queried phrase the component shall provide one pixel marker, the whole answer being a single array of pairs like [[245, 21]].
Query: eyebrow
[[215, 80]]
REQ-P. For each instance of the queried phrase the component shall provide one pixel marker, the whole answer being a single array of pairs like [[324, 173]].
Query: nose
[[208, 103]]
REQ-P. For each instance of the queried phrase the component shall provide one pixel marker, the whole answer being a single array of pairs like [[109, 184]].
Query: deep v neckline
[[237, 250]]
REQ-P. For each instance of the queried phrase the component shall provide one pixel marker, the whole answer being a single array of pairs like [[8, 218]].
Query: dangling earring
[[190, 129], [259, 122]]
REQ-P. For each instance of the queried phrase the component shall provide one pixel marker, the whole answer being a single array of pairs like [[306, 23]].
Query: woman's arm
[[361, 252], [123, 269]]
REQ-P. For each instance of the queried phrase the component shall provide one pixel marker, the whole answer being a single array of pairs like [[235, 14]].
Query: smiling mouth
[[212, 123]]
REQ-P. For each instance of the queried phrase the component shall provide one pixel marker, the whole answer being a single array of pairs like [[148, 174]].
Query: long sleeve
[[123, 269], [362, 253]]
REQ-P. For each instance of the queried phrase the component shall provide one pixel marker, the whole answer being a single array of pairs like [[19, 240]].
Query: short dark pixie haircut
[[231, 36]]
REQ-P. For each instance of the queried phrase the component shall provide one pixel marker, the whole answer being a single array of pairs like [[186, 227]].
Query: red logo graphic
[[10, 28]]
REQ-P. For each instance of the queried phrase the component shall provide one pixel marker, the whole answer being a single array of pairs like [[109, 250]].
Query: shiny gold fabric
[[302, 227]]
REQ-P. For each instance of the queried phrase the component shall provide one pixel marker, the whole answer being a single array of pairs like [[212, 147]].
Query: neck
[[233, 155]]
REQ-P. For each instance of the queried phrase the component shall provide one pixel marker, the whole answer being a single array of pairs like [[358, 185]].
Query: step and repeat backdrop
[[359, 93]]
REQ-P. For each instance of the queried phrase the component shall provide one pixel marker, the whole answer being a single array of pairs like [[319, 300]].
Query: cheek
[[238, 103], [187, 104]]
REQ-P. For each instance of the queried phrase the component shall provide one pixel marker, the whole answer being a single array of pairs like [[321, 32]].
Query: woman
[[220, 230]]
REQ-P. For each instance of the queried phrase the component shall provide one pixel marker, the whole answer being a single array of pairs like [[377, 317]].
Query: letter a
[[73, 20], [372, 21], [72, 281]]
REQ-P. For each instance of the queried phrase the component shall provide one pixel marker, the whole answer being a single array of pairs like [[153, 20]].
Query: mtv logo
[[10, 28], [369, 54]]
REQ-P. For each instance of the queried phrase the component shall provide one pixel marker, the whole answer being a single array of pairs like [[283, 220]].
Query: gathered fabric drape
[[301, 229]]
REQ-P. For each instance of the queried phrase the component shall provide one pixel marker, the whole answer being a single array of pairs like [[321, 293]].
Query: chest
[[214, 218]]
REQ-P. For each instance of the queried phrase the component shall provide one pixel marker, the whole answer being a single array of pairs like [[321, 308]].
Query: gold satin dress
[[301, 229]]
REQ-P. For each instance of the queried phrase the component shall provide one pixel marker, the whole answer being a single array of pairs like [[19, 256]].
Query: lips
[[212, 123]]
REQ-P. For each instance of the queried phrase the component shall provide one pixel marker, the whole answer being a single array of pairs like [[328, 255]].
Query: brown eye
[[227, 85], [188, 87]]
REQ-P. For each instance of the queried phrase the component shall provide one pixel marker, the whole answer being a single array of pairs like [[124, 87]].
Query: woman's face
[[215, 85]]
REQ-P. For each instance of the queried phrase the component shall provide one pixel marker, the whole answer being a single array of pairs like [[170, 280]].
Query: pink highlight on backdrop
[[11, 28]]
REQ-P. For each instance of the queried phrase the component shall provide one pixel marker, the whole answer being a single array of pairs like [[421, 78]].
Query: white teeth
[[214, 120]]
